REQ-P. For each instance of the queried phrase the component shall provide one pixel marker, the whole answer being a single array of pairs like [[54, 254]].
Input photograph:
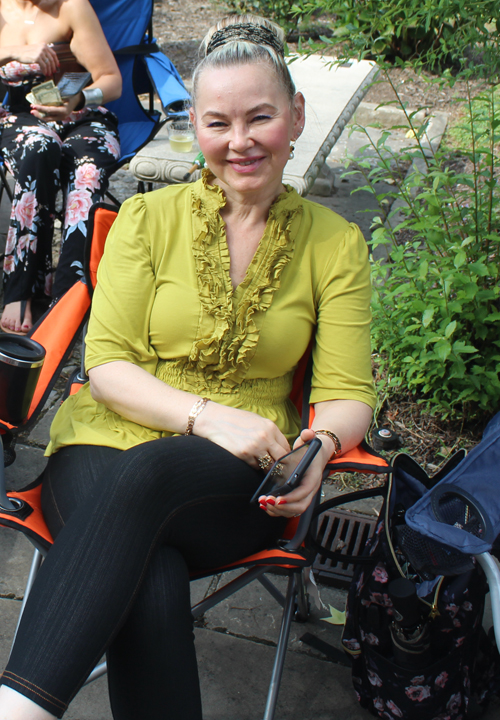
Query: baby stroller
[[458, 520], [413, 629]]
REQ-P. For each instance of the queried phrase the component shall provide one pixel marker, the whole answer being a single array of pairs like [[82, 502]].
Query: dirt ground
[[179, 26]]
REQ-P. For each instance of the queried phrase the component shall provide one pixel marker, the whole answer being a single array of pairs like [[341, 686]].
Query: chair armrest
[[360, 459]]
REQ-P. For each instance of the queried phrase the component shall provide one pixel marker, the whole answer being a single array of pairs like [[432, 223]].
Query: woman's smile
[[246, 165]]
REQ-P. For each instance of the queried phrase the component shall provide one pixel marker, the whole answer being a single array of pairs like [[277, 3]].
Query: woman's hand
[[55, 113], [349, 420], [298, 500], [39, 53], [242, 433]]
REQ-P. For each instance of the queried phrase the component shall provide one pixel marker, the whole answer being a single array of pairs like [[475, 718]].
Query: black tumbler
[[410, 634], [21, 361]]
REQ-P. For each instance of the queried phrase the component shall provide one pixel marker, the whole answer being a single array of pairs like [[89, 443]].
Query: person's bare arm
[[137, 395], [39, 53], [349, 420], [91, 49]]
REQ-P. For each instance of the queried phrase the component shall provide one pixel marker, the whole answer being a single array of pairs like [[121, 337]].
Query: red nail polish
[[271, 501], [263, 507], [281, 501]]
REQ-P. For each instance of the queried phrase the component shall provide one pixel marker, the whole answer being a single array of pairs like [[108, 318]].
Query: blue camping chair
[[127, 25]]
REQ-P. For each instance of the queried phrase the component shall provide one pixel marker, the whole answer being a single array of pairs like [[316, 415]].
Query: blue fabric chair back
[[143, 67], [476, 481]]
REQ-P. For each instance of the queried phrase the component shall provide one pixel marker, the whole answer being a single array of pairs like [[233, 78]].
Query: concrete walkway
[[235, 643]]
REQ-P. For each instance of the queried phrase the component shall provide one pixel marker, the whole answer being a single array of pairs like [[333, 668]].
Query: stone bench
[[332, 96]]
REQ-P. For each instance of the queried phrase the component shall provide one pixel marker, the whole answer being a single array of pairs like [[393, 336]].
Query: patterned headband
[[257, 34]]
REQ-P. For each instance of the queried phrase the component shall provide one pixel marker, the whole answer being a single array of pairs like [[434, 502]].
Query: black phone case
[[269, 486]]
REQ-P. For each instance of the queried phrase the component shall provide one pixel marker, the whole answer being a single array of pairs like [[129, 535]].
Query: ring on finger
[[265, 461], [278, 469]]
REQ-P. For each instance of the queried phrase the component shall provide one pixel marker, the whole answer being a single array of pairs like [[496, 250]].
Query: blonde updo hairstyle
[[244, 40]]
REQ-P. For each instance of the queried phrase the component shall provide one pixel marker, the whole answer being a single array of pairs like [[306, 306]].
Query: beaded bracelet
[[197, 408], [334, 438]]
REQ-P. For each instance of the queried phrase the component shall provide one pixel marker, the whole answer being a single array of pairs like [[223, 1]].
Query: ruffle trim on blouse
[[229, 327]]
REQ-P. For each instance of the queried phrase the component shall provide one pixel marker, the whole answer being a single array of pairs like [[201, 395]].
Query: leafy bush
[[437, 300], [278, 10], [436, 33]]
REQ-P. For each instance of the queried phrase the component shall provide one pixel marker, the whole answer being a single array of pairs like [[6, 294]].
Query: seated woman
[[72, 146], [207, 297]]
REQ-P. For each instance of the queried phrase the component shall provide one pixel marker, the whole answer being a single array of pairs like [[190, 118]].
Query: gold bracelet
[[336, 441], [197, 408]]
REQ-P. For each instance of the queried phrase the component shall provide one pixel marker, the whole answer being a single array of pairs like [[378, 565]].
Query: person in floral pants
[[76, 157], [71, 145]]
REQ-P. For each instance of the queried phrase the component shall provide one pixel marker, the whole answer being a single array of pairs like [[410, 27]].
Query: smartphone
[[287, 472], [72, 83]]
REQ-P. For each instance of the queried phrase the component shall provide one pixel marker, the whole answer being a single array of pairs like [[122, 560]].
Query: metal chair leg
[[97, 672], [113, 198], [492, 572], [279, 660], [302, 612]]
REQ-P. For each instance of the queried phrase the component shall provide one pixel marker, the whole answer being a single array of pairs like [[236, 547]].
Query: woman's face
[[244, 124]]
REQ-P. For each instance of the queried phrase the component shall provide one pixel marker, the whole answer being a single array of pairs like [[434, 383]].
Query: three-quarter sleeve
[[341, 354], [121, 307]]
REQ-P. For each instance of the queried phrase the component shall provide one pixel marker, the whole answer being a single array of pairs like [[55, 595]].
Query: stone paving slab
[[15, 561], [40, 434], [253, 614], [235, 652], [235, 675], [28, 465]]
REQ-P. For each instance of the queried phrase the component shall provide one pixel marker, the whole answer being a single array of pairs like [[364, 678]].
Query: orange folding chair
[[291, 555]]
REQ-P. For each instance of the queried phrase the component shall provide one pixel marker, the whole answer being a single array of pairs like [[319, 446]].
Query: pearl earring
[[292, 154]]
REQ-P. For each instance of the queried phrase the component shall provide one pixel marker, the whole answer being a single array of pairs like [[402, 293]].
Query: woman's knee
[[40, 148]]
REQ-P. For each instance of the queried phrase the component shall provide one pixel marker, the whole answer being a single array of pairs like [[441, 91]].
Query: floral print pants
[[76, 157]]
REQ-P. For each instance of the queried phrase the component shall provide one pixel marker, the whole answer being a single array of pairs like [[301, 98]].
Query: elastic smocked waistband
[[251, 392]]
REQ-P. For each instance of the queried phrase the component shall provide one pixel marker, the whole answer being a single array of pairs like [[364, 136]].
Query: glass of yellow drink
[[181, 136]]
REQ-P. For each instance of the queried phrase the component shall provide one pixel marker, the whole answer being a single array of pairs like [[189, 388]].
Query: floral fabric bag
[[438, 663]]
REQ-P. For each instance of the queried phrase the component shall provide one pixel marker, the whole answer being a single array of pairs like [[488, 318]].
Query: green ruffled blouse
[[164, 301]]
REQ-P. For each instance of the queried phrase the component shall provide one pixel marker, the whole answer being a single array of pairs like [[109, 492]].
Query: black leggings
[[130, 525]]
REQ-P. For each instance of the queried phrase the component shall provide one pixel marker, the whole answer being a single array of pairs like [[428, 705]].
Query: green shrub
[[436, 33], [437, 299], [278, 10]]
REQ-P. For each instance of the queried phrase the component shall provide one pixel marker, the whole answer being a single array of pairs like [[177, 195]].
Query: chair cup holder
[[21, 361]]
